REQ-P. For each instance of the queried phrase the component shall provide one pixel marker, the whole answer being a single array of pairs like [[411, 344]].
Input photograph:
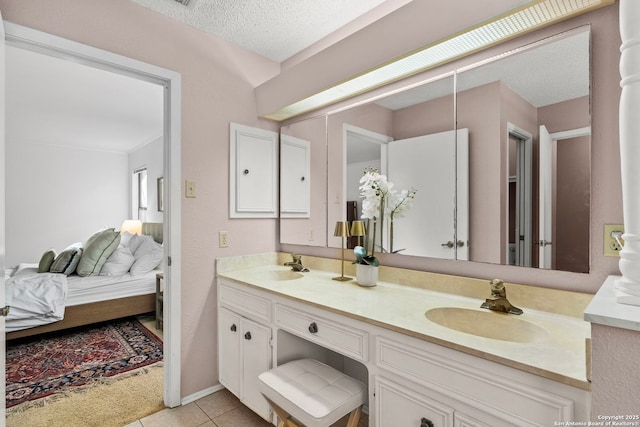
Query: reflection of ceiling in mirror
[[432, 90], [544, 75]]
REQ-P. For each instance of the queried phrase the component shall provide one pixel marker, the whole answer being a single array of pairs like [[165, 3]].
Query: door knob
[[424, 422], [247, 336], [313, 328], [233, 327], [449, 244]]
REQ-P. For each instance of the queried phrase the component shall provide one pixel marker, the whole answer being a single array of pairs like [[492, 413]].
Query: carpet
[[41, 366]]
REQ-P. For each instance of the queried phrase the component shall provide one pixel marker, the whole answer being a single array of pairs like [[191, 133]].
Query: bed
[[81, 300]]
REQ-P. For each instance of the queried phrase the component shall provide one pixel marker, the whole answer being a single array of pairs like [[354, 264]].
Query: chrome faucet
[[498, 300], [296, 264]]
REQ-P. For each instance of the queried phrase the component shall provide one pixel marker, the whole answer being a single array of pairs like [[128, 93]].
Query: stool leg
[[354, 417], [285, 418]]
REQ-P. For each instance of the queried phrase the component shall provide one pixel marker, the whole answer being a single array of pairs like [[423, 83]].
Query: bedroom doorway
[[35, 41]]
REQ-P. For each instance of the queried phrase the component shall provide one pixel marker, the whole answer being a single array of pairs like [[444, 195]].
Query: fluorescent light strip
[[521, 20]]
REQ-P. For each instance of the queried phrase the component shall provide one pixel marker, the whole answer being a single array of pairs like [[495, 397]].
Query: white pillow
[[148, 256], [133, 241], [125, 238], [118, 263]]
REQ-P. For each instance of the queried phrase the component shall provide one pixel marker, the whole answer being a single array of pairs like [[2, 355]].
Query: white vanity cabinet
[[412, 382], [244, 351], [458, 389], [401, 406]]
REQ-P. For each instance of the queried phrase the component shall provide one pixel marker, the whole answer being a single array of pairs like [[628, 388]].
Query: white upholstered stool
[[312, 393]]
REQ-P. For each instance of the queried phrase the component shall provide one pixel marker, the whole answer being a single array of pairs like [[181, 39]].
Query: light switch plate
[[223, 239], [190, 189]]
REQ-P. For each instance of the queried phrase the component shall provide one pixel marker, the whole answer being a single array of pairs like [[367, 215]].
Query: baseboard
[[199, 395]]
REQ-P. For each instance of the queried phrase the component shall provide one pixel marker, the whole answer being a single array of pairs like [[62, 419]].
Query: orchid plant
[[380, 199]]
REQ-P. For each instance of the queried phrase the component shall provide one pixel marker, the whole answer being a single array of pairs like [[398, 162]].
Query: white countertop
[[605, 309], [559, 356]]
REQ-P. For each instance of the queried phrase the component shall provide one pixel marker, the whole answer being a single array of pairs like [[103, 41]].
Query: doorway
[[36, 41], [519, 197]]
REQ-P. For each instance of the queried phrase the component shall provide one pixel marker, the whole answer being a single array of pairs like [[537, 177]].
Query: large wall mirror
[[528, 117], [486, 148]]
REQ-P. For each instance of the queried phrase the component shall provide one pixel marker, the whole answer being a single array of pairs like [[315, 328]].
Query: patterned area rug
[[41, 366]]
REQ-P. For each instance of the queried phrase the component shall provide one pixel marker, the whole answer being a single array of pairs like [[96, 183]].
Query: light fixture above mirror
[[531, 16]]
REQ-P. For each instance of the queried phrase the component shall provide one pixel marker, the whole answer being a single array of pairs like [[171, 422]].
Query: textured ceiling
[[276, 29]]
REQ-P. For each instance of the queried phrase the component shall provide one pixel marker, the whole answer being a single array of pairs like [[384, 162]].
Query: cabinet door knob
[[426, 423], [247, 336], [234, 328], [245, 172], [313, 328]]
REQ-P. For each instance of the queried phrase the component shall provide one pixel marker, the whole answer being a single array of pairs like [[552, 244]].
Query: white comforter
[[35, 297]]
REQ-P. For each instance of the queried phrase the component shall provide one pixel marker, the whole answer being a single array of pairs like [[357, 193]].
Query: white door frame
[[3, 345], [523, 207], [37, 41], [370, 136]]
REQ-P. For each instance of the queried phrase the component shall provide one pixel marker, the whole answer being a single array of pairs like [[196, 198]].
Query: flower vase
[[366, 275]]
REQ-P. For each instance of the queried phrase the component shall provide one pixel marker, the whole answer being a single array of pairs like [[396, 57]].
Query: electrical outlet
[[611, 246], [189, 188], [223, 239]]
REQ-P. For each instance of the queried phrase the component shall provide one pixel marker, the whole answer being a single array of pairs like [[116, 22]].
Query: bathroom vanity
[[427, 356]]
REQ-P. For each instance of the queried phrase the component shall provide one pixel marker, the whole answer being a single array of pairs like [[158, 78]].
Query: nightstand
[[159, 302]]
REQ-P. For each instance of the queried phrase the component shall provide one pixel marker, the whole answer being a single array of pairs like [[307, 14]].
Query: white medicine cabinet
[[253, 172]]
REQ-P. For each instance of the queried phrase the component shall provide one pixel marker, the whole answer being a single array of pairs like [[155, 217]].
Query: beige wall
[[218, 81]]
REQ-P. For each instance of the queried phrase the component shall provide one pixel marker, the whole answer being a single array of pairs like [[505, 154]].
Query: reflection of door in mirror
[[564, 199], [427, 164], [519, 197]]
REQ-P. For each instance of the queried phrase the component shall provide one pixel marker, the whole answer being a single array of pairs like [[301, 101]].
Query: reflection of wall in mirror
[[310, 231]]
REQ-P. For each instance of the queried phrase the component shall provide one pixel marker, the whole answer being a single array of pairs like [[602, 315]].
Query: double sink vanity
[[420, 341]]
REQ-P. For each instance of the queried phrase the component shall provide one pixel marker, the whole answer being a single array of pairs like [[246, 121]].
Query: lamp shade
[[133, 226], [358, 228], [342, 229]]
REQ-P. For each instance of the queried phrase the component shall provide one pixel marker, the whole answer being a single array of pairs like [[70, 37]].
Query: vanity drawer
[[328, 333], [246, 303]]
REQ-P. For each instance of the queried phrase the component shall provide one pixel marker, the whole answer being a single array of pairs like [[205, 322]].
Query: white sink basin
[[487, 324]]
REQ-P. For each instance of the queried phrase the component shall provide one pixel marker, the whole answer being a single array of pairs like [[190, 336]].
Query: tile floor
[[220, 409]]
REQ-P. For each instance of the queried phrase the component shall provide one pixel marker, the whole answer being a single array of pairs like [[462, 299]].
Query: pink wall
[[615, 375], [217, 87]]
